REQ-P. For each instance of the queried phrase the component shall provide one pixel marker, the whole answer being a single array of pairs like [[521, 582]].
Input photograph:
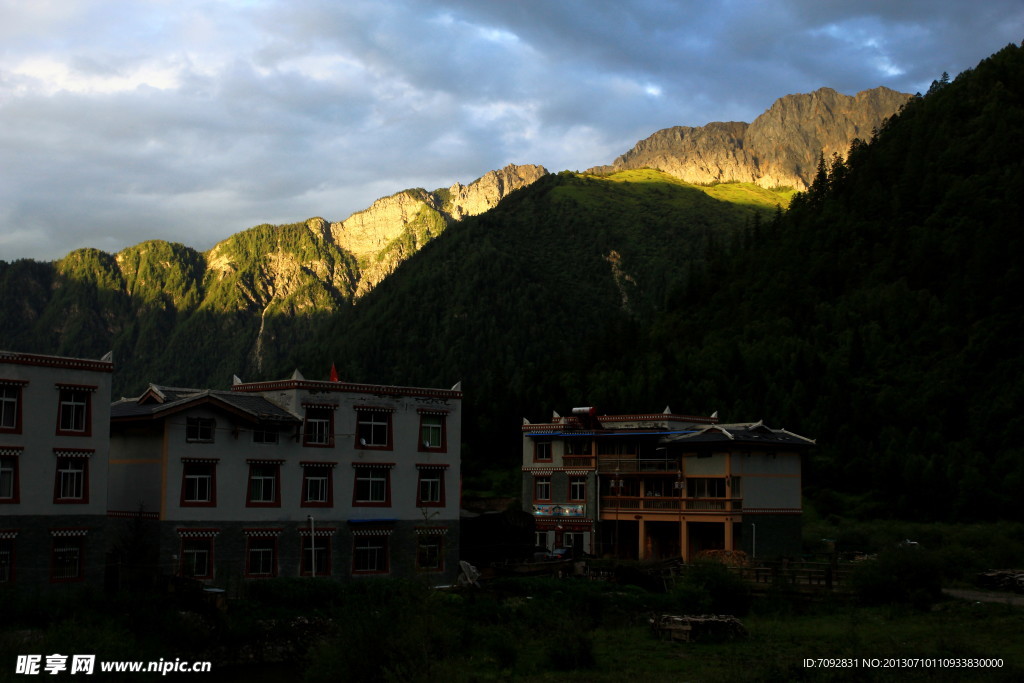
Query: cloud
[[128, 120]]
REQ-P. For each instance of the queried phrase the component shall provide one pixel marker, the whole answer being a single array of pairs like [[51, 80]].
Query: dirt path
[[986, 596]]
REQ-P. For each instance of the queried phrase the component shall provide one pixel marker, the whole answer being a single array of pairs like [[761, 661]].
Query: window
[[72, 481], [577, 447], [373, 429], [430, 491], [372, 486], [316, 556], [265, 435], [433, 434], [318, 429], [264, 484], [74, 412], [9, 479], [429, 551], [370, 554], [197, 558], [542, 488], [541, 539], [66, 560], [317, 485], [705, 487], [261, 556], [6, 560], [577, 488], [542, 449], [573, 539], [10, 408], [199, 484], [200, 429]]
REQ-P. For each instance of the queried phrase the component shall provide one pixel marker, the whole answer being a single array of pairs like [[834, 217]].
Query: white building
[[54, 441], [292, 478]]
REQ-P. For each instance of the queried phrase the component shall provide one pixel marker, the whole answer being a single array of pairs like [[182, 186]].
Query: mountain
[[877, 314], [780, 148]]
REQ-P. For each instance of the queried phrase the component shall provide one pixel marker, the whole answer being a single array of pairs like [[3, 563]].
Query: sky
[[128, 120]]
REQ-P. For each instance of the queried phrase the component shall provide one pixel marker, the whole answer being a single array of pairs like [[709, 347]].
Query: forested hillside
[[882, 314], [879, 314]]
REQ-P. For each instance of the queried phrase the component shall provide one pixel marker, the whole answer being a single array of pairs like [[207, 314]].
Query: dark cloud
[[125, 121]]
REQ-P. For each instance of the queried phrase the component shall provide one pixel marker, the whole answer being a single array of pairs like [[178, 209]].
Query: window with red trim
[[9, 485], [10, 409], [542, 488], [264, 485], [577, 488], [71, 484], [372, 487], [74, 413], [542, 450], [373, 429], [317, 486], [198, 484], [370, 554], [318, 427], [316, 556], [197, 558], [261, 556], [433, 433], [67, 558], [430, 488]]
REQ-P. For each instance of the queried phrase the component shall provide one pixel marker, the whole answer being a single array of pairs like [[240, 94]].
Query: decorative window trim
[[439, 471], [260, 538], [361, 539], [62, 391], [18, 400], [386, 467], [212, 502], [58, 489], [275, 502], [423, 445], [360, 440], [328, 475], [64, 540], [322, 412], [14, 455], [193, 535]]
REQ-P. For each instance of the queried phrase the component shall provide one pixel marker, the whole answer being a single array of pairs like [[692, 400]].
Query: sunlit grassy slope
[[735, 193]]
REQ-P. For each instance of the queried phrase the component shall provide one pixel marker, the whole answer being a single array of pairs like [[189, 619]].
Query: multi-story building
[[654, 486], [292, 478], [54, 439]]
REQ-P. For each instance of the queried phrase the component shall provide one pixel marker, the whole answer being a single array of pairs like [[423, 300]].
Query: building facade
[[655, 486], [292, 478], [54, 442]]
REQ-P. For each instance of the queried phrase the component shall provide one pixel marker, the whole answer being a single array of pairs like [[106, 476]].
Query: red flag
[[334, 373]]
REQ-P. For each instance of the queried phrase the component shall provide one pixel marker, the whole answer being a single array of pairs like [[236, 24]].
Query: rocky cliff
[[780, 148], [393, 228]]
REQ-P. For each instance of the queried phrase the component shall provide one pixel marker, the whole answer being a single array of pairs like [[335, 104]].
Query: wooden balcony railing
[[659, 503], [581, 461], [607, 465]]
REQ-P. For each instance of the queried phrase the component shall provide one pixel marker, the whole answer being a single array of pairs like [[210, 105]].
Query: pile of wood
[[730, 558], [705, 627], [1002, 580]]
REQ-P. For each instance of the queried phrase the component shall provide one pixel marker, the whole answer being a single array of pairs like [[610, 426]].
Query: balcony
[[584, 462], [680, 505], [608, 465]]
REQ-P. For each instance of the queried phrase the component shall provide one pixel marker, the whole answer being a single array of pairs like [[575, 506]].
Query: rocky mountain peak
[[780, 148]]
